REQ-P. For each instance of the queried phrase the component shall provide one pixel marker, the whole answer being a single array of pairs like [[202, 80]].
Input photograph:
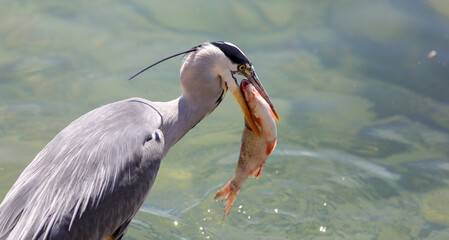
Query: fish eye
[[242, 67]]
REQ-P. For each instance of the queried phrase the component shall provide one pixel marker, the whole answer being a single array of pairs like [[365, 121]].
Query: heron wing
[[90, 179]]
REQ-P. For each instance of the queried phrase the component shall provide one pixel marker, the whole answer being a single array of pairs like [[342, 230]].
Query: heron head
[[224, 60], [240, 65]]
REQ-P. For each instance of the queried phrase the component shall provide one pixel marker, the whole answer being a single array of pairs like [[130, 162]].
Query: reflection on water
[[363, 142]]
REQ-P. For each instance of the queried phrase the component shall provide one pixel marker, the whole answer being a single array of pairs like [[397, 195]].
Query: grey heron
[[91, 179]]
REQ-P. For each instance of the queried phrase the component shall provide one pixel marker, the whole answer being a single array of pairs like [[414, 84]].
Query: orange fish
[[255, 149]]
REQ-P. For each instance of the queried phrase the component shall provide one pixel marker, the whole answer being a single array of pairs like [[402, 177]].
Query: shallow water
[[363, 142]]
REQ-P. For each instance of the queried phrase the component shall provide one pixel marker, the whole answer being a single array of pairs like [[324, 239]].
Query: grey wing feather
[[90, 179]]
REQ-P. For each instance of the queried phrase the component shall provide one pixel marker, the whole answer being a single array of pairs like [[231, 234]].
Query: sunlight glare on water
[[360, 87]]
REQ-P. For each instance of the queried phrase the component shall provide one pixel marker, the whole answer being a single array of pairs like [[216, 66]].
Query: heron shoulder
[[97, 162]]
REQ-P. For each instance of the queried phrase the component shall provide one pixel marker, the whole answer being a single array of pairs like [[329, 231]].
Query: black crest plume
[[234, 54], [172, 56]]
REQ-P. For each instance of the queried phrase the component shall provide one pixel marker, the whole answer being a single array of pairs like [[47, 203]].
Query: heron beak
[[242, 102], [254, 80]]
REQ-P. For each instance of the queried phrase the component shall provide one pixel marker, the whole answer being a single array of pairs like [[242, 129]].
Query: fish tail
[[224, 192], [230, 202], [228, 194]]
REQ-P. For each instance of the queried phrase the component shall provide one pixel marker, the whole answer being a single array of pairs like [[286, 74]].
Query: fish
[[254, 149]]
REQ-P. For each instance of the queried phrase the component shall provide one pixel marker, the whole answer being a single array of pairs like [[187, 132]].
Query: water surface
[[360, 86]]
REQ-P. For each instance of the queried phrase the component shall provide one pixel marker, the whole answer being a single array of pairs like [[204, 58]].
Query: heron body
[[92, 178]]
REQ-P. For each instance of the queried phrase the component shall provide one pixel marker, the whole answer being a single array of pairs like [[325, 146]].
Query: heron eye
[[242, 67]]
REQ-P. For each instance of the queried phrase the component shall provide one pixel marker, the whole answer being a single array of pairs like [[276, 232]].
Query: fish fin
[[271, 145], [228, 194], [256, 173]]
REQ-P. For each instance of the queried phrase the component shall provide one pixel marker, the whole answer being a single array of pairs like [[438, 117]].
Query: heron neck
[[179, 116]]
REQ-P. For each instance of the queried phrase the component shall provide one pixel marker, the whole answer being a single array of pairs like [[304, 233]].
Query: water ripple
[[369, 167]]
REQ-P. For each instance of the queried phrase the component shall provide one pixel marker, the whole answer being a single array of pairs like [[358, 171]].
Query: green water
[[363, 142]]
